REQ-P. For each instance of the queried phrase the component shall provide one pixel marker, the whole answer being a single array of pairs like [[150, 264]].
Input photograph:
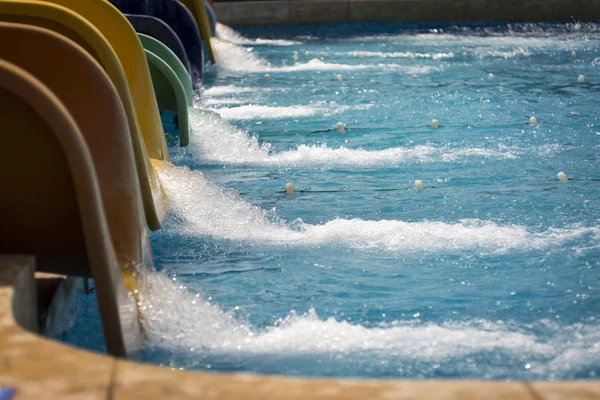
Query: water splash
[[233, 57], [255, 111], [225, 32], [201, 334], [214, 140], [474, 53], [227, 90], [399, 54], [205, 209]]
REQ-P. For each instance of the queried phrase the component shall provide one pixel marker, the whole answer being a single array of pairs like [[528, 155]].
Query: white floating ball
[[289, 188], [435, 123], [465, 55], [532, 120], [295, 57], [267, 76], [573, 54], [340, 127], [361, 54], [581, 78], [414, 76], [490, 76], [562, 177], [339, 77], [418, 184]]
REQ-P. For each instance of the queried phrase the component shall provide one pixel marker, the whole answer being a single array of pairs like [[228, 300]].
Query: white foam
[[232, 92], [400, 54], [226, 90], [317, 65], [214, 140], [253, 111], [513, 42], [221, 102], [474, 52], [208, 210], [477, 53], [500, 45], [180, 321], [492, 53], [227, 33], [235, 58]]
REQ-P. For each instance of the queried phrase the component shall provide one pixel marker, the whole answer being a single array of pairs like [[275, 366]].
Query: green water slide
[[171, 97], [167, 55]]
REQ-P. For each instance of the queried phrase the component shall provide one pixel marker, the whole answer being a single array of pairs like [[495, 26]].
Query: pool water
[[492, 270]]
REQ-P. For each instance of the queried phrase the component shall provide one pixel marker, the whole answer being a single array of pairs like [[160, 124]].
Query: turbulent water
[[490, 271], [196, 201]]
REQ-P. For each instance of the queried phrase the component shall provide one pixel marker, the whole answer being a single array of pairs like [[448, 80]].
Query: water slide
[[170, 94], [179, 18], [159, 30], [83, 162], [75, 203]]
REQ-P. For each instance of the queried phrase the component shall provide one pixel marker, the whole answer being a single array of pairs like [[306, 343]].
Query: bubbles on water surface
[[179, 324], [214, 140], [208, 210]]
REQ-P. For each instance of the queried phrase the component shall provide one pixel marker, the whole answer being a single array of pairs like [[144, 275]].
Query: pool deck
[[296, 12], [40, 368]]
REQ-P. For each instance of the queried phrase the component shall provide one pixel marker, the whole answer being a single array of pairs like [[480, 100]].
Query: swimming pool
[[490, 271]]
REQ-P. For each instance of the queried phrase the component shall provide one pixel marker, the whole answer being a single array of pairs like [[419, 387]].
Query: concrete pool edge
[[298, 12], [39, 367]]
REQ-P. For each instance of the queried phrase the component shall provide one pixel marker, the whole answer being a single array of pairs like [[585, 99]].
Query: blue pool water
[[491, 271]]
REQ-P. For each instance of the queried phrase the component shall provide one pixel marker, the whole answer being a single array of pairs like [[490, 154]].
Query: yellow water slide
[[64, 206], [72, 25], [84, 137], [124, 40]]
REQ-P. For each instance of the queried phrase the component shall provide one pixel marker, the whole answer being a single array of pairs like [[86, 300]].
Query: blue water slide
[[180, 19], [159, 30], [212, 18]]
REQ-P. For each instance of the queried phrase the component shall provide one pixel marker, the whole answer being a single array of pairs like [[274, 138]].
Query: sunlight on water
[[230, 35], [215, 140], [208, 210], [201, 331], [236, 58], [488, 270]]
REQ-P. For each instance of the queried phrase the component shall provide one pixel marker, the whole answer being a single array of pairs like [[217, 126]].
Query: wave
[[227, 33], [202, 333], [237, 58], [319, 65], [221, 102], [252, 111], [400, 54], [227, 90], [483, 41], [475, 53], [215, 140], [240, 59], [208, 210], [185, 323]]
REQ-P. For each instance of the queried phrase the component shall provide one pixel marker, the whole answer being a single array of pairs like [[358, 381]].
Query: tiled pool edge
[[296, 12], [42, 368]]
